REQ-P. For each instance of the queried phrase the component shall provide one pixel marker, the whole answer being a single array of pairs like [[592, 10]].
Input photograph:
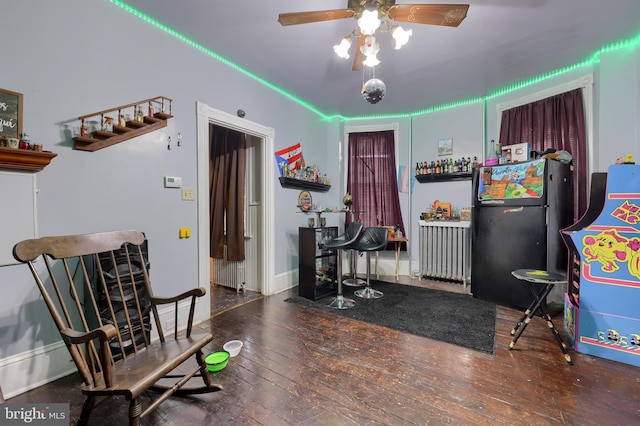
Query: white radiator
[[228, 273], [445, 250]]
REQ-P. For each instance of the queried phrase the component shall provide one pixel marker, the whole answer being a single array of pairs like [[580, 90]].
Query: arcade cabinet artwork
[[602, 305]]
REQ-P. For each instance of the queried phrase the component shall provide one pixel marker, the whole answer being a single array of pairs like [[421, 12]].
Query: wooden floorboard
[[300, 366]]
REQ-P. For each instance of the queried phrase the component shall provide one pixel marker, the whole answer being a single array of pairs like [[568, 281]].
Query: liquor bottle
[[418, 169], [474, 164], [139, 116], [438, 169], [450, 165], [121, 121]]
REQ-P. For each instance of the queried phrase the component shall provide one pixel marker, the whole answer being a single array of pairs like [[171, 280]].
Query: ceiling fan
[[450, 15]]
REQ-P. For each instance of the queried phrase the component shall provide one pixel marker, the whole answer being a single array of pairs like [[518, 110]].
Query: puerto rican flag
[[290, 157]]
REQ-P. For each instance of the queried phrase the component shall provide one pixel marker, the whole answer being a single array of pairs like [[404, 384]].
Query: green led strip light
[[593, 59], [214, 55]]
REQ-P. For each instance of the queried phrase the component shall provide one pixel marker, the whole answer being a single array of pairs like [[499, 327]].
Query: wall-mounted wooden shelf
[[287, 182], [444, 177], [133, 128], [24, 159]]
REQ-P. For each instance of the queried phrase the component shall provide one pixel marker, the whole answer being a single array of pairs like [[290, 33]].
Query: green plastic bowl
[[217, 361]]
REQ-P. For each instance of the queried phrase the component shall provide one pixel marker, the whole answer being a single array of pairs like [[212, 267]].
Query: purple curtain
[[372, 180], [555, 122], [226, 192]]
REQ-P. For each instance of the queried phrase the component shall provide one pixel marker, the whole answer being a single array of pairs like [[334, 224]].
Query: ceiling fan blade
[[358, 57], [449, 15], [296, 18]]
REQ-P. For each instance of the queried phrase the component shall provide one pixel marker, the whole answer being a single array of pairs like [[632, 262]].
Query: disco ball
[[373, 90]]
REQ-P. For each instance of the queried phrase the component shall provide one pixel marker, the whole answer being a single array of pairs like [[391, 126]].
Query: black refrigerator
[[518, 210]]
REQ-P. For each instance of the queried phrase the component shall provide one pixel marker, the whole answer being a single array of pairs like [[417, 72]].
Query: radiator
[[445, 250], [228, 273]]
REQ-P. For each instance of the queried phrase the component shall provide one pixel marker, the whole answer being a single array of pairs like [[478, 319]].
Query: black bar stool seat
[[372, 239], [346, 241], [540, 283]]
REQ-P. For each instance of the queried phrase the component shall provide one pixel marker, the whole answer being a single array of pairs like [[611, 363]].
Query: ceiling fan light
[[371, 61], [401, 36], [369, 22], [342, 49]]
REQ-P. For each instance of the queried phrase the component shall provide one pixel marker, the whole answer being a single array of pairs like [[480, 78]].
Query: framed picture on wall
[[445, 146], [10, 114]]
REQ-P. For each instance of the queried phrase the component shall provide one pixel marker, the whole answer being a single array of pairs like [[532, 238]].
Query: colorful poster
[[512, 181]]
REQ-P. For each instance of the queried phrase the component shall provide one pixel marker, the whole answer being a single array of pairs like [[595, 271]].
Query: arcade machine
[[602, 304]]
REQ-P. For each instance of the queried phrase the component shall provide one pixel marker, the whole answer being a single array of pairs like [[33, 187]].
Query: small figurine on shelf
[[84, 132], [108, 124]]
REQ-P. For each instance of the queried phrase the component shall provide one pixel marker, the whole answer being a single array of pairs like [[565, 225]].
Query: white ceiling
[[500, 42]]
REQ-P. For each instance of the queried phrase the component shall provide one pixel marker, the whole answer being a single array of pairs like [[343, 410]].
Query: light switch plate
[[172, 182], [188, 194]]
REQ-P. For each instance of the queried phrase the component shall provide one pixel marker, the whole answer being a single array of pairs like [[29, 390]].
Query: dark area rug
[[441, 315]]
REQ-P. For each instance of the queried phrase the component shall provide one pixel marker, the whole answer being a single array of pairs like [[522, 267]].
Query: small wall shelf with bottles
[[130, 120], [444, 177], [288, 182], [24, 159]]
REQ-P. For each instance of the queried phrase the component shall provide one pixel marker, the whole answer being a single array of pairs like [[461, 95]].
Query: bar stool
[[540, 283], [346, 241], [372, 239], [354, 281]]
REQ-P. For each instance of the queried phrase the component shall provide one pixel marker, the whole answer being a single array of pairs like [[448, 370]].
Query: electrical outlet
[[188, 194]]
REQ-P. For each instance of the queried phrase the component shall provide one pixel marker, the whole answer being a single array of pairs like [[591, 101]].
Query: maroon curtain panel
[[227, 164], [555, 122], [372, 180]]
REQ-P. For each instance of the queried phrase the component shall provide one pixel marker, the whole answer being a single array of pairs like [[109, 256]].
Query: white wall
[[618, 129]]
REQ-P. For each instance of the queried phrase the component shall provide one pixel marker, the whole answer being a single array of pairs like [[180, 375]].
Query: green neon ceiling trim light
[[592, 60], [214, 55]]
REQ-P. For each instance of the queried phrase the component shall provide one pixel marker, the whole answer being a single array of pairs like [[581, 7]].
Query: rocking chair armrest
[[194, 292], [75, 337]]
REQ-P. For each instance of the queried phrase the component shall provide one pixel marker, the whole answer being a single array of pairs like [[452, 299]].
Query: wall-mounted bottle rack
[[444, 177], [287, 182], [132, 120]]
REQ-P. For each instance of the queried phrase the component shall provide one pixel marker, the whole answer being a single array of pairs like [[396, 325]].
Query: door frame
[[206, 115]]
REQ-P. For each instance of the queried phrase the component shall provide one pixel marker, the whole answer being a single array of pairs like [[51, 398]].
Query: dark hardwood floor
[[300, 366]]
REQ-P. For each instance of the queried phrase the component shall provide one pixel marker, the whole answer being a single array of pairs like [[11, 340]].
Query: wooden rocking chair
[[97, 289]]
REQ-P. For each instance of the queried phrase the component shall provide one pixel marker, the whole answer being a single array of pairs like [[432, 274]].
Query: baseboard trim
[[285, 281], [34, 368], [22, 372]]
